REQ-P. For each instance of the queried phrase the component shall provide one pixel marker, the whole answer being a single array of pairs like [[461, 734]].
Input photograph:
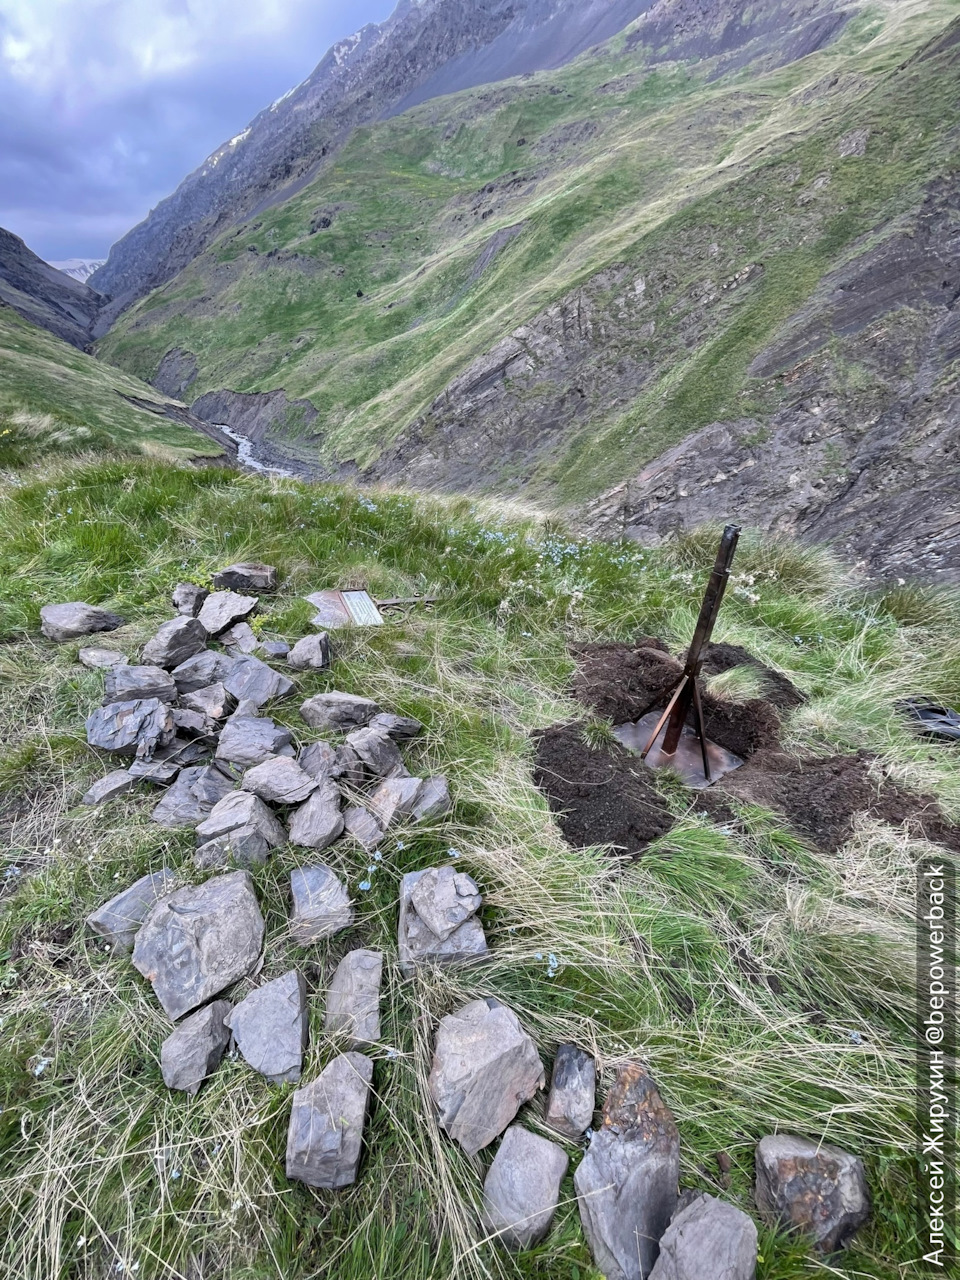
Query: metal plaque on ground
[[344, 609]]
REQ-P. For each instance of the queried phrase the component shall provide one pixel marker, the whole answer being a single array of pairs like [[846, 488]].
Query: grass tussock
[[768, 985]]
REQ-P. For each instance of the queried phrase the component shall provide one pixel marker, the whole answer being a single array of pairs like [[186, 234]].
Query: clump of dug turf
[[599, 795], [823, 796], [778, 689]]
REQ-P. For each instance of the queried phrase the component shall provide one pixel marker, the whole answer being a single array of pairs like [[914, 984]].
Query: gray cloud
[[103, 110]]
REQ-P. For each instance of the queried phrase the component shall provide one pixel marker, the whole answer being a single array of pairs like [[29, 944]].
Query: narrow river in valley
[[247, 456]]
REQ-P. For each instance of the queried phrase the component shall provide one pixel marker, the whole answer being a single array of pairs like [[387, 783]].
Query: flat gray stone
[[253, 680], [131, 728], [192, 797], [222, 609], [188, 598], [708, 1240], [573, 1092], [118, 920], [399, 728], [240, 638], [326, 1124], [275, 648], [417, 942], [101, 659], [200, 672], [394, 799], [485, 1067], [246, 709], [175, 642], [114, 784], [319, 759], [433, 800], [240, 809], [444, 899], [338, 711], [160, 771], [249, 575], [200, 940], [626, 1184], [816, 1189], [321, 904], [378, 752], [193, 1050], [363, 826], [243, 847], [522, 1188], [270, 1028], [353, 1000], [63, 622], [318, 822], [312, 653], [249, 740], [279, 780], [129, 684]]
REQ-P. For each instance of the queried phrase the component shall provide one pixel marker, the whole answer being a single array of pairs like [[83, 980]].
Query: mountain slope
[[44, 295]]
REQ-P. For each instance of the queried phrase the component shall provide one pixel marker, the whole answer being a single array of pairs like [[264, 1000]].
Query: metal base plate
[[687, 761]]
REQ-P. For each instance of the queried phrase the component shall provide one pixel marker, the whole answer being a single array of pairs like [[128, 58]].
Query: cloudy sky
[[106, 104]]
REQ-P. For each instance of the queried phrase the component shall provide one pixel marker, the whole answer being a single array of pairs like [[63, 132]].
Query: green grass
[[60, 402], [676, 178], [103, 1171]]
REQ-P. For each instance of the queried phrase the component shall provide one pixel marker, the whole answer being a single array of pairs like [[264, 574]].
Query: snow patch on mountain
[[79, 268]]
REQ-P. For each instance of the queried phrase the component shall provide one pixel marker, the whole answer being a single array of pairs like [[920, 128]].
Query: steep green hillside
[[640, 227], [57, 400], [768, 982]]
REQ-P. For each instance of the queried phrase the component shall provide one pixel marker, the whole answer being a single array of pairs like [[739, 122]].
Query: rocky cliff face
[[426, 48], [45, 296]]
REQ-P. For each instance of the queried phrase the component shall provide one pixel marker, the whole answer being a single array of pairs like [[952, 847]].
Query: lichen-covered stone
[[270, 1027], [812, 1187], [63, 622], [522, 1188], [485, 1067], [321, 904], [336, 710], [326, 1124], [573, 1092], [118, 920], [198, 941], [175, 642], [353, 999], [193, 1050]]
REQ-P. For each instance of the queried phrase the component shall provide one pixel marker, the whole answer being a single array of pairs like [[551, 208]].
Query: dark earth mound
[[599, 796]]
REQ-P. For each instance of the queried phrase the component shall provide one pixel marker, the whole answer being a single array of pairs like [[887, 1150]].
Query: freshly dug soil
[[601, 796], [622, 682], [822, 796]]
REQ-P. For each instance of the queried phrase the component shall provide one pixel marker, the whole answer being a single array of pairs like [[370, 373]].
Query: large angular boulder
[[242, 809], [129, 684], [279, 780], [448, 900], [202, 671], [626, 1184], [708, 1239], [522, 1188], [118, 921], [573, 1092], [200, 940], [193, 1049], [114, 784], [326, 1124], [192, 797], [63, 622], [249, 740], [319, 822], [338, 711], [353, 1000], [253, 681], [378, 752], [250, 575], [321, 904], [312, 653], [270, 1027], [101, 659], [132, 728], [175, 642], [814, 1188], [188, 598], [485, 1067], [394, 799], [222, 609]]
